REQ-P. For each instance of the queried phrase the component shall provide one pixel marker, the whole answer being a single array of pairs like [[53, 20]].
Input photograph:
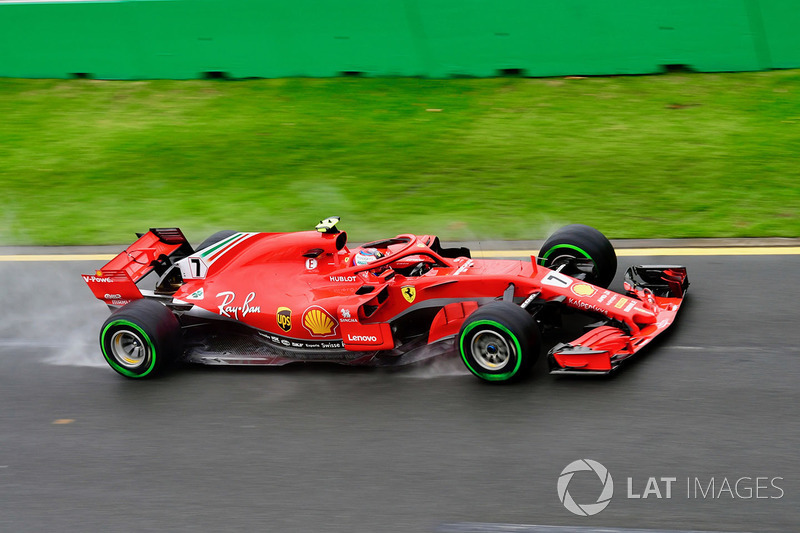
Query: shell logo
[[319, 322], [583, 289]]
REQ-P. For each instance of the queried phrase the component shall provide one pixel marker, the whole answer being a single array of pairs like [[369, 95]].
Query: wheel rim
[[561, 259], [490, 350], [128, 349], [568, 261]]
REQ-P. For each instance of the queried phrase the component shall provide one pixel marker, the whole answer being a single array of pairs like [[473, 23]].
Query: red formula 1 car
[[274, 298]]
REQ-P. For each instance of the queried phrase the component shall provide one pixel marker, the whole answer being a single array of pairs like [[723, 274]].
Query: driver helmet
[[367, 256]]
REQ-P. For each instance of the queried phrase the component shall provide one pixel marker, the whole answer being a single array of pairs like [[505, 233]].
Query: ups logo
[[284, 318]]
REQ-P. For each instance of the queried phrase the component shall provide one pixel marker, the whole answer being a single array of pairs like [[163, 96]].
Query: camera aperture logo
[[660, 487], [586, 509]]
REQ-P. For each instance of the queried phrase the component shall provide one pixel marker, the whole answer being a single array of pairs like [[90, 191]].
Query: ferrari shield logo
[[409, 293]]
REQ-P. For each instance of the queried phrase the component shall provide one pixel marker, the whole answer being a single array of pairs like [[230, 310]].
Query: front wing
[[659, 290]]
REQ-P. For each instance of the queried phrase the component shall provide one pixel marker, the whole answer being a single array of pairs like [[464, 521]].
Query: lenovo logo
[[362, 338]]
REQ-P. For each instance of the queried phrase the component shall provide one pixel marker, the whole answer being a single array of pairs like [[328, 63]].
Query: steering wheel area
[[414, 265], [396, 258]]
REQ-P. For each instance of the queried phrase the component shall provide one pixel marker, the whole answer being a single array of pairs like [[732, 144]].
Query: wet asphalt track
[[331, 449]]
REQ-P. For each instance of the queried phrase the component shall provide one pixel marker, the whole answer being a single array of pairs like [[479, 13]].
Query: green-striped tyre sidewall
[[581, 251], [501, 328], [158, 331], [150, 361]]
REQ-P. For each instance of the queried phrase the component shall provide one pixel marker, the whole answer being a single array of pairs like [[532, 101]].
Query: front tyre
[[141, 339], [499, 342], [577, 243]]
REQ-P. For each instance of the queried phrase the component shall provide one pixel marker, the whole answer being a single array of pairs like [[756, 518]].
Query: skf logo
[[319, 322], [409, 293], [284, 318]]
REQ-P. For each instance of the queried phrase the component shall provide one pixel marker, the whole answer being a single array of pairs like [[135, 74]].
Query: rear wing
[[115, 282]]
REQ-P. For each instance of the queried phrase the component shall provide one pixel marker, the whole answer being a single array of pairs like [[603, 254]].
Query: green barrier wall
[[438, 38]]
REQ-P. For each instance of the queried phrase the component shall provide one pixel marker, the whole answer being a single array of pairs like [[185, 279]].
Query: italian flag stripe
[[219, 245], [236, 240]]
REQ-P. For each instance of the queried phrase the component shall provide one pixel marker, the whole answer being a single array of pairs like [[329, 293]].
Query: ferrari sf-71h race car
[[244, 298]]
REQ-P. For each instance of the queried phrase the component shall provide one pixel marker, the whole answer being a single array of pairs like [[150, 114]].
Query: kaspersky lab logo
[[585, 509]]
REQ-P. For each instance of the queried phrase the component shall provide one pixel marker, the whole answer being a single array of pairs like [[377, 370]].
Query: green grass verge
[[679, 155]]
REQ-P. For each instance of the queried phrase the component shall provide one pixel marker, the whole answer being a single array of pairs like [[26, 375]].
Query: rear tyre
[[214, 239], [141, 339], [579, 242], [499, 342]]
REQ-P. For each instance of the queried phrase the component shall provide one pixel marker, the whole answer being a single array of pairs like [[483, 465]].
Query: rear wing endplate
[[115, 282]]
